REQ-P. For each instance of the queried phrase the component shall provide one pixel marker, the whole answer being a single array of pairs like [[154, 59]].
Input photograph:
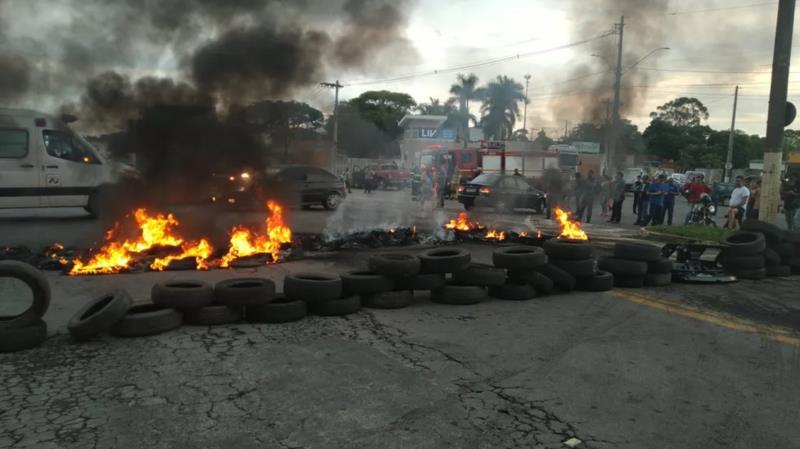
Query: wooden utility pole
[[611, 155], [729, 159], [773, 156], [336, 86]]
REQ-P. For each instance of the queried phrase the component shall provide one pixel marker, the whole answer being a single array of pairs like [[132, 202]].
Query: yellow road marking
[[774, 333]]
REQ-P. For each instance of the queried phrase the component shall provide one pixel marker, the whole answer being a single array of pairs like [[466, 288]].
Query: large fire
[[245, 243], [463, 223], [570, 229]]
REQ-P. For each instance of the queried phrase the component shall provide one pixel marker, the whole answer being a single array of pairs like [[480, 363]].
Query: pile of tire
[[636, 265], [761, 249], [577, 258], [317, 293], [26, 330]]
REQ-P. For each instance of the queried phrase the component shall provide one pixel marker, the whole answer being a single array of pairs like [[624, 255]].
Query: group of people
[[654, 199], [433, 182], [790, 194]]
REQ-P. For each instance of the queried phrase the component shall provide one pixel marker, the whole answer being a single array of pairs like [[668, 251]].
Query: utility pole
[[566, 125], [336, 86], [771, 182], [729, 160], [525, 114], [611, 155]]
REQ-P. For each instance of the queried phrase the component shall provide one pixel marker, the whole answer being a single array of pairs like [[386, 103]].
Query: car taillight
[[460, 189], [485, 190]]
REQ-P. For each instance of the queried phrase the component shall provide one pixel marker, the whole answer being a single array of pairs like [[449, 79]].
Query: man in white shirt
[[738, 203]]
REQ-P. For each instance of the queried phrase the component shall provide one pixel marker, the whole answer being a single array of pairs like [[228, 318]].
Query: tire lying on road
[[244, 291], [147, 319], [779, 271], [643, 252], [567, 249], [213, 315], [742, 262], [460, 295], [40, 289], [182, 294], [396, 299], [99, 315], [543, 284], [395, 264], [519, 257], [794, 263], [755, 274], [444, 260], [577, 268], [363, 282], [659, 266], [312, 287], [513, 292], [745, 243], [785, 250], [792, 237], [280, 310], [657, 279], [560, 278], [771, 257], [22, 338], [599, 282], [623, 267], [427, 281], [482, 275], [337, 307], [772, 233], [628, 281]]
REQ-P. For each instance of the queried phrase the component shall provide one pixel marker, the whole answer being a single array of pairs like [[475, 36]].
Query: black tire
[[213, 315], [577, 268], [397, 299], [182, 294], [657, 279], [567, 249], [482, 275], [332, 201], [39, 286], [99, 315], [794, 263], [643, 252], [22, 338], [771, 258], [513, 292], [601, 281], [362, 282], [660, 266], [779, 271], [280, 310], [147, 319], [792, 236], [459, 295], [742, 262], [337, 307], [628, 281], [772, 233], [423, 282], [560, 278], [543, 284], [244, 292], [444, 260], [520, 258], [312, 287], [623, 267], [783, 249], [395, 264], [745, 243], [756, 274]]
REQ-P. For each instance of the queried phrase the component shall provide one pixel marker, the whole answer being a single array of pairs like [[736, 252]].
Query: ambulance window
[[65, 146], [13, 143]]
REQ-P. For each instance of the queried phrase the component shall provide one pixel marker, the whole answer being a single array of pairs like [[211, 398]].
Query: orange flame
[[463, 223], [244, 242], [493, 234], [570, 229], [201, 251]]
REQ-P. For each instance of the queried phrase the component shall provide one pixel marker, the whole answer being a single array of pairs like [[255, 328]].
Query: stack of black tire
[[26, 330], [635, 265], [519, 266], [576, 258], [323, 294], [760, 249]]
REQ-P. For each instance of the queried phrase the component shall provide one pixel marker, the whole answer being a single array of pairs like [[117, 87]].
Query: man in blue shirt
[[671, 191], [655, 194]]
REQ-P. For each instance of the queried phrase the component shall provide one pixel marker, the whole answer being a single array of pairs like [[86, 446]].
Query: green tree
[[282, 121], [500, 109], [436, 107], [463, 92], [682, 111], [587, 132], [384, 109]]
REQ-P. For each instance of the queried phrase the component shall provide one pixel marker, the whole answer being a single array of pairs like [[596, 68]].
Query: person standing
[[369, 178], [516, 172], [790, 193], [643, 209], [425, 187], [348, 179], [655, 193], [618, 196], [737, 204], [637, 193], [671, 192], [577, 190], [754, 204], [587, 197], [606, 193], [695, 191]]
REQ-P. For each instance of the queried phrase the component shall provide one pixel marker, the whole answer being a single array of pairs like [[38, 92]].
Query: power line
[[721, 8], [726, 72]]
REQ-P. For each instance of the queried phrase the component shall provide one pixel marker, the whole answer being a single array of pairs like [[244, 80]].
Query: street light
[[644, 57]]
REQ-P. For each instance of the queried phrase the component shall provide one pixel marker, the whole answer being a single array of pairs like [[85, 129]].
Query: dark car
[[294, 186], [721, 192], [502, 192]]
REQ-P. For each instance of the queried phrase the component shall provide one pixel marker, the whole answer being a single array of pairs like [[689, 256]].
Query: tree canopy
[[682, 111], [368, 124], [500, 107]]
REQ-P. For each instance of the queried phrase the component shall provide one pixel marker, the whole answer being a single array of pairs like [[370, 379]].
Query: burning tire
[[568, 249], [628, 281], [244, 292], [444, 260], [147, 319], [637, 251], [745, 243], [459, 295], [513, 292], [24, 337], [772, 233], [312, 287], [578, 268], [560, 278], [662, 265], [337, 307], [183, 294], [481, 275], [601, 281], [213, 315], [39, 286], [397, 299], [657, 279], [623, 267], [366, 282], [99, 315], [519, 258], [395, 264], [742, 262], [779, 271], [280, 310]]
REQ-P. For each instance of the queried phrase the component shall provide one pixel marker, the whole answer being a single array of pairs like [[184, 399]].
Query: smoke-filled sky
[[104, 59]]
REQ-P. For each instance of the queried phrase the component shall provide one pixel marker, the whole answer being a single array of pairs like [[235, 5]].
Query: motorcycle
[[703, 213]]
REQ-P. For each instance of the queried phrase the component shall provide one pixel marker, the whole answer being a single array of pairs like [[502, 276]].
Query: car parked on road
[[721, 192], [504, 193]]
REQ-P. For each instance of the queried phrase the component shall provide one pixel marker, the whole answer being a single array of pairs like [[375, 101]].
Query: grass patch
[[695, 232]]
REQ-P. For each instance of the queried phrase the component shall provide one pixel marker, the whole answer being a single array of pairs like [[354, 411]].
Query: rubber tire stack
[[522, 282], [26, 330], [792, 260], [393, 278], [577, 258], [783, 244], [631, 264], [744, 253], [322, 293], [468, 282]]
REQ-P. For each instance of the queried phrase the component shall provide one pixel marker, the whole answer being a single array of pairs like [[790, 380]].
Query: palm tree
[[500, 109], [436, 107], [463, 92]]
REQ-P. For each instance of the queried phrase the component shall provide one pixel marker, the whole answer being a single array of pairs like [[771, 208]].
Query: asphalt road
[[676, 367]]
